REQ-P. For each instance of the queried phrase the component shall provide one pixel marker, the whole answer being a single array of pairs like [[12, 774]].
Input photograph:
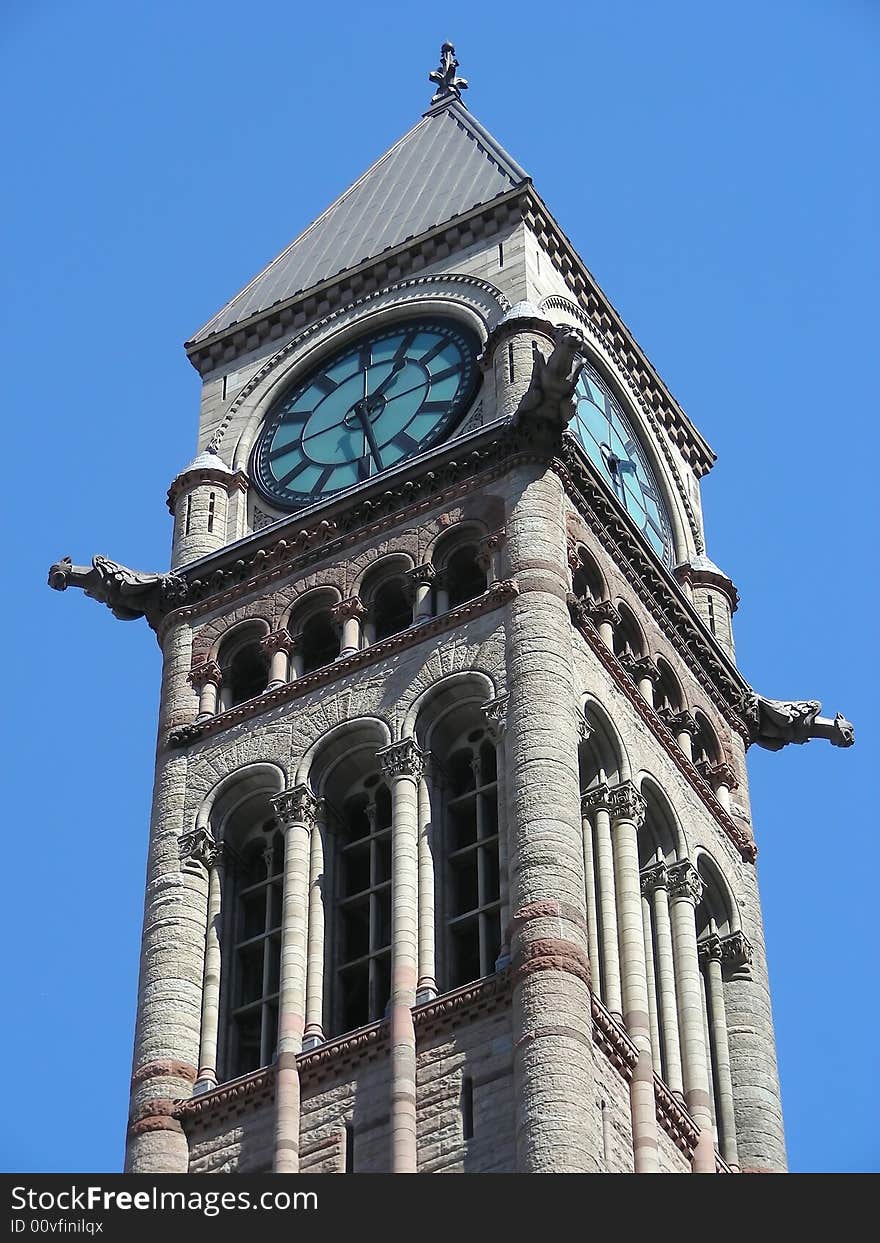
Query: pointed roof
[[444, 166]]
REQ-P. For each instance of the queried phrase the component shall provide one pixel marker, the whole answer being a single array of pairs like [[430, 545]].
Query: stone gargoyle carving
[[777, 722], [550, 394], [128, 594]]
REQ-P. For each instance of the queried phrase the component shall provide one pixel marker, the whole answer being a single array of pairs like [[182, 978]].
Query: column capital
[[421, 574], [280, 640], [709, 948], [684, 881], [488, 546], [495, 712], [402, 759], [640, 668], [207, 672], [680, 722], [654, 876], [598, 798], [627, 804], [352, 607], [599, 611], [200, 846], [736, 950], [717, 774], [296, 805]]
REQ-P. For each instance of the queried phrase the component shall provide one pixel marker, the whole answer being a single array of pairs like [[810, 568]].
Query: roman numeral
[[405, 442], [292, 474], [444, 375], [403, 349], [322, 479], [325, 385], [433, 407]]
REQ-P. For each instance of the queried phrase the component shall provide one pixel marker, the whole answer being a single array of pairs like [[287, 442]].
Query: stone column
[[711, 952], [654, 882], [442, 593], [590, 885], [205, 679], [627, 813], [489, 556], [721, 778], [279, 646], [684, 726], [604, 617], [554, 1071], [169, 1005], [495, 712], [202, 846], [426, 987], [295, 810], [685, 890], [644, 673], [350, 613], [314, 1029], [420, 579], [403, 765], [596, 803], [651, 975]]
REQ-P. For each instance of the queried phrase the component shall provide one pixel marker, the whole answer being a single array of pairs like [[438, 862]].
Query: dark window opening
[[501, 254], [211, 504], [246, 675], [467, 1107], [510, 369], [464, 578], [472, 876], [348, 1156], [392, 609], [319, 641], [711, 604], [256, 958], [627, 636], [363, 908]]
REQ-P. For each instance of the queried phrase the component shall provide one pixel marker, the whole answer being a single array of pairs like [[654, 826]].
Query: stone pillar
[[489, 556], [644, 673], [552, 1030], [651, 975], [495, 712], [596, 802], [279, 646], [426, 987], [212, 856], [167, 1033], [710, 949], [295, 810], [604, 617], [721, 778], [685, 890], [403, 766], [627, 814], [350, 614], [205, 680], [314, 1029], [654, 885], [420, 579], [442, 593], [590, 885], [684, 726]]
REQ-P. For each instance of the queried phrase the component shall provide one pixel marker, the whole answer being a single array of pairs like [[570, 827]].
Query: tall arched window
[[628, 640], [257, 951], [244, 666], [704, 747], [465, 579], [667, 692], [586, 578], [388, 598], [318, 640]]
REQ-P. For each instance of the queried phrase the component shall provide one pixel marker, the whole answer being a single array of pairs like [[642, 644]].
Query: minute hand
[[364, 416], [389, 379]]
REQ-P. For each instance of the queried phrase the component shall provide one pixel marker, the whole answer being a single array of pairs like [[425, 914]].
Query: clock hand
[[380, 389], [363, 415]]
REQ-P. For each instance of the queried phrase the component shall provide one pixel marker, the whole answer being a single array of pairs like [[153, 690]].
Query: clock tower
[[452, 863]]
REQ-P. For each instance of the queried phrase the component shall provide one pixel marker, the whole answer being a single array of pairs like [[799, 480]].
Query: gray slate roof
[[446, 165]]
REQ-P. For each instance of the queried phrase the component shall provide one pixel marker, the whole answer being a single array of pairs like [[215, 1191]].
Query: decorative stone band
[[219, 477], [278, 641], [200, 846], [495, 712], [675, 1119], [402, 759], [684, 881], [208, 672], [167, 1068], [158, 1114], [352, 607], [740, 837], [546, 908], [497, 596], [296, 805], [550, 954]]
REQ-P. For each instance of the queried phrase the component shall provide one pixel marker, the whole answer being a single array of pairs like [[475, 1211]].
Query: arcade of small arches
[[621, 633], [368, 828], [393, 595]]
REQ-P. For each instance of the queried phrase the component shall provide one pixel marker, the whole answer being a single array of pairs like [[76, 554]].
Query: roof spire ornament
[[448, 85]]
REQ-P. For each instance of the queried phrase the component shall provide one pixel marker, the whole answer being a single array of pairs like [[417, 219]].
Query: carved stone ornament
[[709, 947], [208, 671], [585, 729], [684, 881], [297, 805], [278, 641], [597, 799], [128, 594], [736, 950], [654, 876], [599, 611], [640, 668], [352, 607], [488, 546], [448, 85], [199, 846], [683, 722], [627, 804], [495, 712], [422, 575], [717, 774], [550, 395], [402, 759], [776, 722]]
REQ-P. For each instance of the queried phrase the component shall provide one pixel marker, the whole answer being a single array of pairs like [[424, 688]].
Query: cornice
[[497, 595], [674, 1118]]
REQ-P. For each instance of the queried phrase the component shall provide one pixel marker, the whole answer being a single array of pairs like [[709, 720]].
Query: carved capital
[[717, 774], [296, 805], [709, 948], [654, 876], [421, 575], [402, 759], [495, 712], [200, 846], [736, 950], [504, 589], [208, 672], [627, 804], [352, 607], [596, 799], [488, 546], [684, 881], [680, 722], [598, 611], [640, 668], [278, 641]]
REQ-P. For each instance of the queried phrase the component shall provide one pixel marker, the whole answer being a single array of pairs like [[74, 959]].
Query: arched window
[[318, 640], [628, 639], [244, 666], [257, 951], [465, 580], [705, 748], [388, 598], [586, 578], [667, 692]]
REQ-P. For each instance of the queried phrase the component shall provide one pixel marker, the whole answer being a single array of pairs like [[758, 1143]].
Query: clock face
[[601, 427], [380, 399]]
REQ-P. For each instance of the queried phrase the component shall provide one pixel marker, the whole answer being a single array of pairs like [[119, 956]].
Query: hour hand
[[380, 388], [363, 414]]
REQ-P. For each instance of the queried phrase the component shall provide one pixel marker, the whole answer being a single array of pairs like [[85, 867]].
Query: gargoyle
[[128, 594], [777, 722], [550, 394]]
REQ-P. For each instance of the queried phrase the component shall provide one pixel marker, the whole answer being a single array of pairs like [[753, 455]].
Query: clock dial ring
[[381, 398], [603, 430]]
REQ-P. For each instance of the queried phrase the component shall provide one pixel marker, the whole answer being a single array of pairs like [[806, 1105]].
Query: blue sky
[[716, 167]]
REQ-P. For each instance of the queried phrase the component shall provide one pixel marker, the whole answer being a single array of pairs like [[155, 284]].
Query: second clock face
[[601, 427], [382, 398]]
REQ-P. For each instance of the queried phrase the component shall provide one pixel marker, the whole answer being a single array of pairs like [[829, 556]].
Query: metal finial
[[448, 85]]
